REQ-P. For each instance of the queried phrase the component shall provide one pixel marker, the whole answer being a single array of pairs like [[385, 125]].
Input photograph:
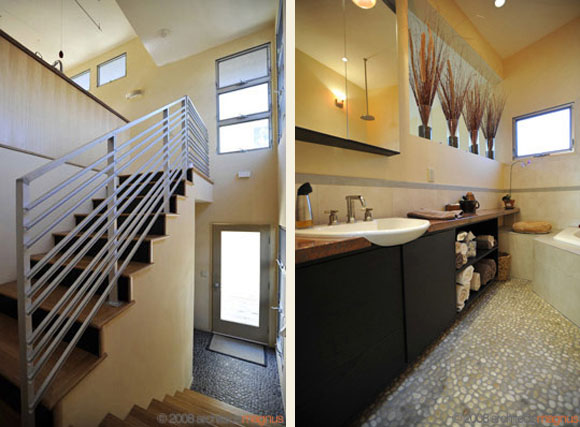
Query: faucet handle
[[332, 217], [368, 214]]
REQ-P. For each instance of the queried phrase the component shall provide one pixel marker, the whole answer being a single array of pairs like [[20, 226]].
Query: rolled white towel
[[461, 236], [464, 276], [475, 281], [470, 237], [461, 248], [462, 294], [472, 249]]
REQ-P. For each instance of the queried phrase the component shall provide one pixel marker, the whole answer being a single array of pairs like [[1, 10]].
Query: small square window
[[543, 132], [245, 136], [112, 70], [83, 79]]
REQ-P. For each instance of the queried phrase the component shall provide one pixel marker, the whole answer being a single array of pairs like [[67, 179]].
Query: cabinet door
[[429, 283], [349, 334]]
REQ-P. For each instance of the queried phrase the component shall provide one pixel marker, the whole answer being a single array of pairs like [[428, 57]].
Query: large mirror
[[346, 72]]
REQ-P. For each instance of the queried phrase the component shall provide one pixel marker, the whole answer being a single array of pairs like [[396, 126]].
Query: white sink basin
[[381, 231]]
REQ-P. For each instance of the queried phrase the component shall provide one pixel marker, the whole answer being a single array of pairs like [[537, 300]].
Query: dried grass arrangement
[[452, 91], [428, 55], [491, 118], [473, 109]]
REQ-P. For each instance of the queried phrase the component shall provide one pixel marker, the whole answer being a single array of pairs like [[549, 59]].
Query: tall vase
[[473, 134], [453, 139], [424, 129], [490, 152]]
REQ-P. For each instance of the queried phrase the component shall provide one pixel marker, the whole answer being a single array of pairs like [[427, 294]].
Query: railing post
[[24, 301], [111, 213], [185, 134], [166, 171]]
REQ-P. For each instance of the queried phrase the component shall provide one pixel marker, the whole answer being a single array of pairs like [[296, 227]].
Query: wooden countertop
[[313, 248]]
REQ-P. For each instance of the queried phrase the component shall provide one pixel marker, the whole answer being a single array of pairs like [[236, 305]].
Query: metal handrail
[[158, 158]]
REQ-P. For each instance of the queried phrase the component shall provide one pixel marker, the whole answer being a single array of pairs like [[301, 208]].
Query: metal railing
[[152, 154]]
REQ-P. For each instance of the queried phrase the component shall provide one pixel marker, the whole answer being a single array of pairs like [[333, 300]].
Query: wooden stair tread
[[76, 367], [144, 416], [149, 238], [8, 417], [179, 196], [132, 267], [187, 407], [157, 407], [201, 399], [112, 421], [105, 314], [130, 420]]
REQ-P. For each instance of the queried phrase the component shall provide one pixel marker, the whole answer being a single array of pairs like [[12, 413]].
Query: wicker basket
[[505, 263]]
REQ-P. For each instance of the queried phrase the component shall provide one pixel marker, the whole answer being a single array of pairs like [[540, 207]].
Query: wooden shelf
[[313, 137], [478, 257]]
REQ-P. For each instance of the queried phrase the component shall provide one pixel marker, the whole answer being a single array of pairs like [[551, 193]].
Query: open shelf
[[474, 295], [479, 256]]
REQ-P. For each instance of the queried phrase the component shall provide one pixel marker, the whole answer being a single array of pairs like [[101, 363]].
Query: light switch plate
[[430, 174], [244, 174]]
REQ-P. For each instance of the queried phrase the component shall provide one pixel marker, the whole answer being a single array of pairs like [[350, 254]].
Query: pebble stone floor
[[246, 385], [510, 354]]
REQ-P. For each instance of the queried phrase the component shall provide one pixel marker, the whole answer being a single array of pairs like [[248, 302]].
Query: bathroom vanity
[[365, 312]]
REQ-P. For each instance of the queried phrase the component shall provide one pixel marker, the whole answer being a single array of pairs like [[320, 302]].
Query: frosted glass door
[[241, 271]]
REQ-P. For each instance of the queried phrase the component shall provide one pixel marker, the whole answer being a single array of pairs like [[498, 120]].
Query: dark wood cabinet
[[429, 277], [350, 340]]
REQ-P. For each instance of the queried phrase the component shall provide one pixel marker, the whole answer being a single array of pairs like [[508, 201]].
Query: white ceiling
[[370, 33], [194, 26], [518, 23], [39, 24]]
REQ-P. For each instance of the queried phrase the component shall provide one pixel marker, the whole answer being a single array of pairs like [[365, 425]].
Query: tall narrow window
[[83, 79], [544, 132], [244, 105], [112, 70]]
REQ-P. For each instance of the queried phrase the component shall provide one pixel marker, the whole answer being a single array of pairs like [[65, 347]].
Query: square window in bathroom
[[244, 104]]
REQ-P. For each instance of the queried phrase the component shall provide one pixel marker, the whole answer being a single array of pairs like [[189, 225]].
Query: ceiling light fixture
[[344, 59], [365, 4], [499, 3]]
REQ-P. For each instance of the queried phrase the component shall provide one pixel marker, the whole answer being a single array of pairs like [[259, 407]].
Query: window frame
[[107, 62], [568, 106], [244, 85], [88, 71]]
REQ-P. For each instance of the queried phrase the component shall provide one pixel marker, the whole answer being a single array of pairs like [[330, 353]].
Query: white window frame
[[107, 62], [80, 74], [244, 85], [569, 106]]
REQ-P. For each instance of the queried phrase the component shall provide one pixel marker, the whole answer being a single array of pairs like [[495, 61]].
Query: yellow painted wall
[[245, 201], [41, 112], [542, 75], [451, 166], [150, 346]]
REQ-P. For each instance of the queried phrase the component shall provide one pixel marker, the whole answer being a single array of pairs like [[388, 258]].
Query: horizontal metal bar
[[31, 176]]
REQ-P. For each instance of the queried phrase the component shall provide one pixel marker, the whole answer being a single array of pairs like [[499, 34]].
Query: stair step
[[188, 408], [144, 416], [133, 204], [179, 188], [112, 421], [181, 417], [130, 420], [105, 314], [158, 227], [143, 253], [78, 365], [123, 282], [8, 417], [216, 406]]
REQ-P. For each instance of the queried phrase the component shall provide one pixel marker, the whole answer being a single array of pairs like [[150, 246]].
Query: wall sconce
[[339, 98], [134, 94]]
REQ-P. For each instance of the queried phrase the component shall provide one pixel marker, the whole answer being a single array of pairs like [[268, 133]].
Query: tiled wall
[[390, 200], [560, 207]]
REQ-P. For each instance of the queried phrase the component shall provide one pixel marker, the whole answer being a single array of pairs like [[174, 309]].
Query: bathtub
[[569, 235], [557, 271]]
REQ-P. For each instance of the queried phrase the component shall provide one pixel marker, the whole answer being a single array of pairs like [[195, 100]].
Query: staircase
[[61, 316], [189, 408]]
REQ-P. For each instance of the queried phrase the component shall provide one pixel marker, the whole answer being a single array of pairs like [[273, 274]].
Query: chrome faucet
[[350, 217]]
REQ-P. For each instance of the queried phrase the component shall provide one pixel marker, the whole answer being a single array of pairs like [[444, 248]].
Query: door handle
[[276, 308], [216, 285]]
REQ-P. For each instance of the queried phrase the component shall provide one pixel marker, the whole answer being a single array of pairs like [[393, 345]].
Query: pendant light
[[367, 116], [365, 4]]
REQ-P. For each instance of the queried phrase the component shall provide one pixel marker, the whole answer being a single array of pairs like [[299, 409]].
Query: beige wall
[[150, 346], [244, 201], [545, 74], [40, 112]]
